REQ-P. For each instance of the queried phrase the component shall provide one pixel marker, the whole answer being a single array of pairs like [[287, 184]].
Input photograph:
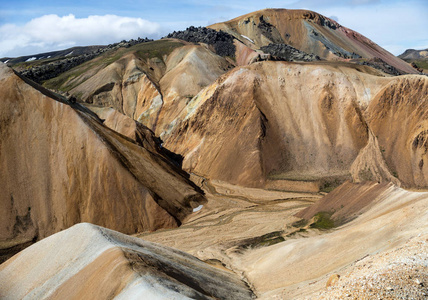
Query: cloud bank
[[53, 32]]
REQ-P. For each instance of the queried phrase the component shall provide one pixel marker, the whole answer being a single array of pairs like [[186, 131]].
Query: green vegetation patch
[[420, 63], [59, 83], [323, 221], [265, 240], [300, 223], [157, 49]]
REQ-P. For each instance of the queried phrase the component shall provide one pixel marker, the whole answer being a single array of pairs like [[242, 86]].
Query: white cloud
[[54, 32]]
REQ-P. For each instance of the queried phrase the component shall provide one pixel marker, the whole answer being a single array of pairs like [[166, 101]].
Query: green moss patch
[[265, 240], [323, 221]]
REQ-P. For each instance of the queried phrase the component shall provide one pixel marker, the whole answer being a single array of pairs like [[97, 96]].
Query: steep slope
[[188, 70], [398, 116], [309, 32], [59, 165], [98, 263], [276, 120]]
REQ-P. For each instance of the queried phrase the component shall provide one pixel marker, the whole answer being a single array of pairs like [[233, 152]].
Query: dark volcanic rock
[[380, 64], [288, 53], [221, 41]]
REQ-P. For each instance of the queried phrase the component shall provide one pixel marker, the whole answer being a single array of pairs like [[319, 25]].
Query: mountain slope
[[309, 32], [59, 165], [277, 120], [150, 83], [401, 108]]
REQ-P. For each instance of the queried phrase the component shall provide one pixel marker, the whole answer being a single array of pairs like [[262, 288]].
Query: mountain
[[150, 82], [60, 166], [52, 55], [294, 121], [262, 123], [417, 58], [414, 54], [273, 156], [44, 66], [309, 32]]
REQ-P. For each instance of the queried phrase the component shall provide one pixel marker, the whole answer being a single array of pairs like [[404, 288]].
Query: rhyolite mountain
[[264, 123]]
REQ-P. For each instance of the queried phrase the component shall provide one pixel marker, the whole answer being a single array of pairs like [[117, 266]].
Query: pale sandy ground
[[299, 267], [401, 273]]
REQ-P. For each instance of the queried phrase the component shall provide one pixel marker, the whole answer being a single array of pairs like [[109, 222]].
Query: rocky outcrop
[[59, 165], [379, 64], [288, 53], [87, 261], [221, 41]]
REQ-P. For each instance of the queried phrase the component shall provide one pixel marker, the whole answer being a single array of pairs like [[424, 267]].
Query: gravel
[[401, 273]]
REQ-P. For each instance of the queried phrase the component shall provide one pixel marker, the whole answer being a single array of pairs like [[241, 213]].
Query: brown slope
[[276, 120], [346, 202], [307, 31], [59, 166], [188, 70], [398, 116]]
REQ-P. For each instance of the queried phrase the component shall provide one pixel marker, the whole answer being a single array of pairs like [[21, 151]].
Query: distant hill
[[417, 58], [52, 55], [44, 66], [414, 54]]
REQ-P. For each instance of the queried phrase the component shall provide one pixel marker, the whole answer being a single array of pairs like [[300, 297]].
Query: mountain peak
[[310, 32]]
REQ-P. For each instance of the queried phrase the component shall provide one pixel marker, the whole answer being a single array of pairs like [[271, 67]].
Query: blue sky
[[32, 26]]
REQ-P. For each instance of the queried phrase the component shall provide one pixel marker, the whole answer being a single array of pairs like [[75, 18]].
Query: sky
[[32, 26]]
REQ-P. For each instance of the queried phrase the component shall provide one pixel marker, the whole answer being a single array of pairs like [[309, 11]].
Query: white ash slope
[[92, 262]]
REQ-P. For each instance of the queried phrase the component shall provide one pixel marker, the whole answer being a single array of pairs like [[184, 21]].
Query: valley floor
[[250, 232]]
